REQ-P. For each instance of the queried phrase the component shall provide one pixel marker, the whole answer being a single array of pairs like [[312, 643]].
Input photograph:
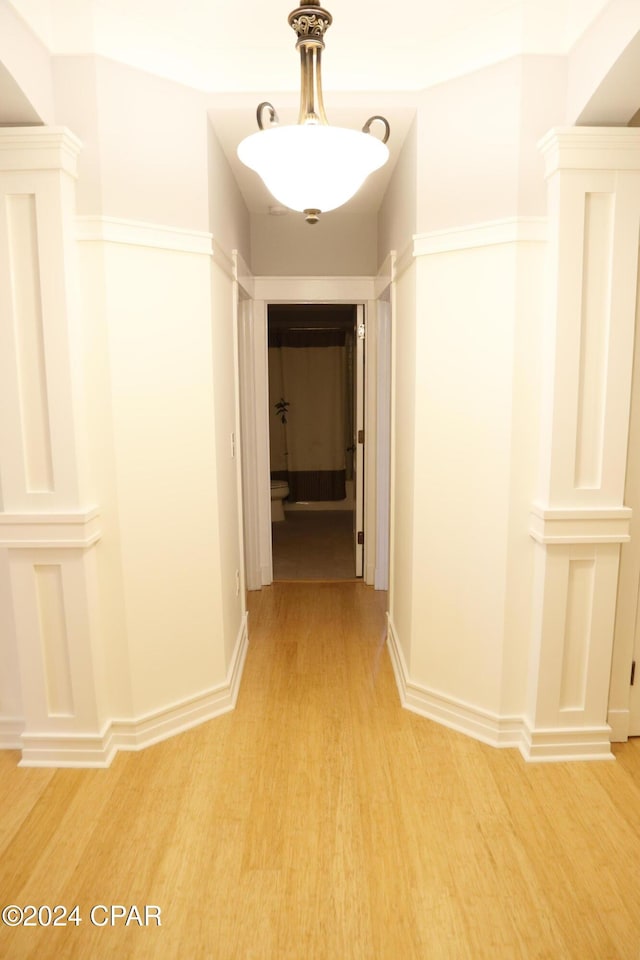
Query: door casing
[[253, 361]]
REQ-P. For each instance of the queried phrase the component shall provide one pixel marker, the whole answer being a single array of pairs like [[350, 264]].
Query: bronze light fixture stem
[[310, 24]]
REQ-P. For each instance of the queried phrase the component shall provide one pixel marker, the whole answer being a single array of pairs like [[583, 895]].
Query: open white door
[[358, 471]]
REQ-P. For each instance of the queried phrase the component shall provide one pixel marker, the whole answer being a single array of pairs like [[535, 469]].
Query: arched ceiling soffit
[[16, 110], [615, 102]]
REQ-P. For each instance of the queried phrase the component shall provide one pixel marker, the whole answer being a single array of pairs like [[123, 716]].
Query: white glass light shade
[[312, 166]]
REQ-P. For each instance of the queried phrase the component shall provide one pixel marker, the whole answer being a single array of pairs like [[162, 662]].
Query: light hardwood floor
[[320, 821]]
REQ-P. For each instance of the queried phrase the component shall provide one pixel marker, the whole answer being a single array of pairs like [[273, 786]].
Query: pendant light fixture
[[312, 166]]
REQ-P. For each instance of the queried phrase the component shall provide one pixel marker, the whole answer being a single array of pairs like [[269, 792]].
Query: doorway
[[316, 440], [374, 306]]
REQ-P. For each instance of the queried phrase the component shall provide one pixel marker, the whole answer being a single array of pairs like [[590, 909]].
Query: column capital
[[592, 148], [39, 148]]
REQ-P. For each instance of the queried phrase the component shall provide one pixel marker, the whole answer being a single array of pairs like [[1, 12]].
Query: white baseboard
[[619, 721], [561, 744], [455, 714], [98, 750], [557, 744], [10, 733]]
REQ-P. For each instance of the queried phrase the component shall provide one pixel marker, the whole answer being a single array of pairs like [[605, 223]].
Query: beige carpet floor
[[314, 545]]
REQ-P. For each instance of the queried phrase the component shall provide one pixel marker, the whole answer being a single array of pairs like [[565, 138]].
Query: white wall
[[75, 85], [145, 142], [529, 299], [476, 116], [342, 244], [160, 351], [99, 412], [11, 709], [229, 220], [464, 385], [223, 358], [397, 217], [403, 487], [494, 116], [542, 90]]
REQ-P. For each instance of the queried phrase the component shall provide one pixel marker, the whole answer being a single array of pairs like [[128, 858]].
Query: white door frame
[[360, 445], [255, 437], [383, 442], [624, 699]]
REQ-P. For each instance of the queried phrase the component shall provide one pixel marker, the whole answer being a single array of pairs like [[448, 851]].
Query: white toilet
[[279, 491]]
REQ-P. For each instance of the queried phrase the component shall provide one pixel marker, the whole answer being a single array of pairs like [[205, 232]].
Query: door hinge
[[633, 673], [361, 331], [360, 436], [360, 537]]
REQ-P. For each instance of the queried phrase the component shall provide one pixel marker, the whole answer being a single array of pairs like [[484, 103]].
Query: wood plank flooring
[[320, 821]]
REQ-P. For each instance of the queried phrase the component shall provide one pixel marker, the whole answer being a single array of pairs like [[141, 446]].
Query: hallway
[[321, 821]]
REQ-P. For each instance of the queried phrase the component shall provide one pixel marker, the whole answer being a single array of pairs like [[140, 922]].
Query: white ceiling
[[243, 51]]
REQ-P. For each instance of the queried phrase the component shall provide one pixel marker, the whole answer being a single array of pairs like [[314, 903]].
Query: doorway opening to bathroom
[[316, 439]]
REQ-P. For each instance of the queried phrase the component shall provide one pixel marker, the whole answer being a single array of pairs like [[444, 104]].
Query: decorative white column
[[579, 518], [49, 524]]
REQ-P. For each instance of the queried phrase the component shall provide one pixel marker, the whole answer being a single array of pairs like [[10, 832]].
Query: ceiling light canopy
[[312, 166]]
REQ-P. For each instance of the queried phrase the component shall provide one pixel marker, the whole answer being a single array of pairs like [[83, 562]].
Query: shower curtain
[[309, 411]]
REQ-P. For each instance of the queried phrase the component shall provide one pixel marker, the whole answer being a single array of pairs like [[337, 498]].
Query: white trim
[[260, 457], [314, 289], [592, 148], [404, 261], [98, 750], [553, 744], [39, 148], [619, 721], [383, 443], [248, 445], [385, 275], [79, 530], [10, 733], [242, 275], [455, 714], [268, 290], [566, 743], [579, 525], [142, 234], [224, 260], [488, 234]]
